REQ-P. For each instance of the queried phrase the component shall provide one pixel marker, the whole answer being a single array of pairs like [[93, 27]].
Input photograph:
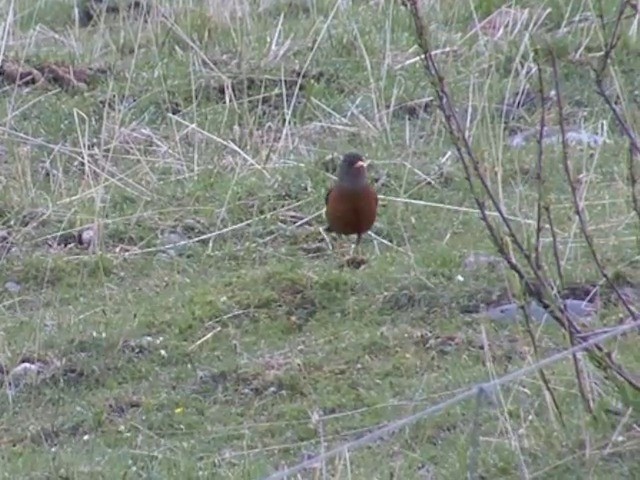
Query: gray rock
[[12, 287], [578, 310], [477, 260], [88, 237], [22, 374], [170, 239], [552, 135]]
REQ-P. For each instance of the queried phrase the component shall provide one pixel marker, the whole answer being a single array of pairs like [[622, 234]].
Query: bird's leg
[[357, 245], [326, 238], [356, 261], [353, 247]]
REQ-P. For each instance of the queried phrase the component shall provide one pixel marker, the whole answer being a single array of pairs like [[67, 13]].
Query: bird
[[351, 204]]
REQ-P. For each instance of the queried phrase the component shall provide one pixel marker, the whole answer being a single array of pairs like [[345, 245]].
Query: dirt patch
[[519, 105], [299, 304], [241, 384], [268, 95], [415, 296], [138, 348], [6, 244], [49, 74], [14, 73], [48, 436], [53, 435], [355, 262], [84, 238], [272, 374], [92, 11], [32, 371], [72, 375], [413, 109], [440, 344], [120, 408]]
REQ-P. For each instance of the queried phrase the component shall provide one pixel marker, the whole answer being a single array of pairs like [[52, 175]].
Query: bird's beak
[[360, 164]]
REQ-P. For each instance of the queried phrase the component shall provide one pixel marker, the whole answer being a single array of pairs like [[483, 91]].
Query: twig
[[539, 175], [538, 240], [454, 208], [578, 209], [227, 143], [209, 236], [541, 373], [205, 338], [554, 244], [419, 57]]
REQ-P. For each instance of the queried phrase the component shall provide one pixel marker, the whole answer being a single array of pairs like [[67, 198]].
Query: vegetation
[[129, 128]]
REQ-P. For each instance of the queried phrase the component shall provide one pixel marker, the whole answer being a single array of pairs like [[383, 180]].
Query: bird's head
[[352, 172]]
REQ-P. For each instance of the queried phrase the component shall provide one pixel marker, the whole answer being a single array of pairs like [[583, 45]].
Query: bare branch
[[539, 287]]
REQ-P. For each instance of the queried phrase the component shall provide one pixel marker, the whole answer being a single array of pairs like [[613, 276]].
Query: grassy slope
[[296, 338]]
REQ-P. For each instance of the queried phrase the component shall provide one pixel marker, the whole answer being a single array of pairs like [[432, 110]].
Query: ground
[[253, 346]]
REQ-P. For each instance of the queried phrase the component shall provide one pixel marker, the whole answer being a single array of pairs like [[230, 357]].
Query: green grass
[[255, 348]]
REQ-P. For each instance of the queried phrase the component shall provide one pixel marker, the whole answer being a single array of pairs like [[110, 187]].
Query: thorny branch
[[540, 288], [578, 210], [539, 171], [538, 245]]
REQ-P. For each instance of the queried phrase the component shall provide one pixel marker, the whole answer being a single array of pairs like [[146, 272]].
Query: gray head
[[352, 172]]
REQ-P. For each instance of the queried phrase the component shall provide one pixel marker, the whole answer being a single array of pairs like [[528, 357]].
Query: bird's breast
[[352, 211]]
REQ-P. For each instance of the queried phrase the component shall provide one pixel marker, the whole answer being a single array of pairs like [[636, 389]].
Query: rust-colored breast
[[351, 211]]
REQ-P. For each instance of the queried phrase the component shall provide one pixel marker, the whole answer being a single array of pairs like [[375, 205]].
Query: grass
[[254, 348]]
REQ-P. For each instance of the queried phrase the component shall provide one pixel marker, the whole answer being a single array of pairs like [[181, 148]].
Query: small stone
[[170, 239], [12, 287], [87, 238], [479, 259], [23, 373], [578, 310]]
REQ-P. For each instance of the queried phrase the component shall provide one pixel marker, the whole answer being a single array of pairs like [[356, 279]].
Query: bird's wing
[[375, 195], [326, 198], [326, 203]]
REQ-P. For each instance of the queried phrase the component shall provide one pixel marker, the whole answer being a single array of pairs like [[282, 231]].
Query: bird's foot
[[355, 262]]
